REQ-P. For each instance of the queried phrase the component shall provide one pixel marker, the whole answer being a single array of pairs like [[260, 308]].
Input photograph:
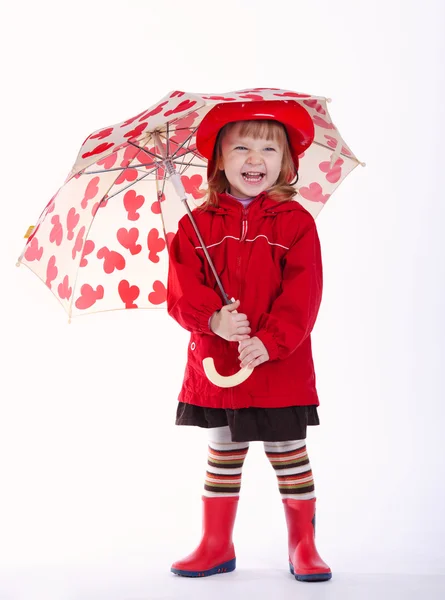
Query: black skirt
[[252, 424]]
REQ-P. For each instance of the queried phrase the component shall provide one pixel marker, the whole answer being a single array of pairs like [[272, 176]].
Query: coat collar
[[261, 204]]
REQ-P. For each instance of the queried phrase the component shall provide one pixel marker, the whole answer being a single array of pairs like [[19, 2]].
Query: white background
[[100, 491]]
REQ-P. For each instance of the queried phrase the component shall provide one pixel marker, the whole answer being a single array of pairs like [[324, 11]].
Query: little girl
[[266, 250]]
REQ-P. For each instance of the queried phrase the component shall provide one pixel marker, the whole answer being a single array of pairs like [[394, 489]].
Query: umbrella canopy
[[101, 242]]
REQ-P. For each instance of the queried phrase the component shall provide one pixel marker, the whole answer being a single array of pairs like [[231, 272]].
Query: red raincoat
[[268, 256]]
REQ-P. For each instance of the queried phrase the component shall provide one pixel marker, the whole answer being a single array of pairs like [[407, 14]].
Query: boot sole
[[226, 567], [311, 577]]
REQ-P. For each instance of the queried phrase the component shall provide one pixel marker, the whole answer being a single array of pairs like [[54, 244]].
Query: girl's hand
[[252, 352], [229, 324]]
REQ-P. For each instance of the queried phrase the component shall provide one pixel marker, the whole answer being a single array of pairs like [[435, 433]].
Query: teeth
[[253, 178]]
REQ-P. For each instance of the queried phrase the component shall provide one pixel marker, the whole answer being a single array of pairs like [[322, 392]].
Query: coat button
[[192, 346]]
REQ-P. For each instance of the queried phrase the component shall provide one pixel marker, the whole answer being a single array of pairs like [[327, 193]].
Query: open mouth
[[253, 177]]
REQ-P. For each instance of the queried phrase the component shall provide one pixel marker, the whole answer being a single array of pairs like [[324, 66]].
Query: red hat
[[296, 120]]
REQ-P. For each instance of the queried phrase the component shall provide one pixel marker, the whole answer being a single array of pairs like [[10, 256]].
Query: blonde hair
[[264, 128]]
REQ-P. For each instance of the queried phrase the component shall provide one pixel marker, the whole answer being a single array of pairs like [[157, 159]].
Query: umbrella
[[101, 242]]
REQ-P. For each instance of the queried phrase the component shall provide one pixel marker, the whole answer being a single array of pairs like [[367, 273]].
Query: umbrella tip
[[363, 164], [328, 99], [17, 264]]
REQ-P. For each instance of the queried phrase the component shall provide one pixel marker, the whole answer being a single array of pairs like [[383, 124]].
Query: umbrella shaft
[[212, 266]]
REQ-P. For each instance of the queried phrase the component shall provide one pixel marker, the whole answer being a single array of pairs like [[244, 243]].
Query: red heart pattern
[[128, 293], [154, 111], [132, 202], [322, 123], [181, 107], [90, 192], [51, 271], [159, 293], [89, 296], [315, 105], [128, 238], [98, 150], [112, 260], [220, 98], [155, 245], [64, 290], [332, 175], [314, 193], [56, 235], [108, 162], [71, 222], [78, 244], [87, 249], [33, 251], [192, 185], [127, 175], [290, 95], [251, 97], [137, 131], [100, 135]]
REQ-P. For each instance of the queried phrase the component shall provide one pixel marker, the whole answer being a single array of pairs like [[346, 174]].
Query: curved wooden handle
[[220, 380]]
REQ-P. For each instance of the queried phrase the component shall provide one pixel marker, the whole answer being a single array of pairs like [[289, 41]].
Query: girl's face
[[251, 165]]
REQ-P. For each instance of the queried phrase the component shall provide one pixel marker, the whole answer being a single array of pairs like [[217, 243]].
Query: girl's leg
[[216, 553], [225, 463], [292, 467]]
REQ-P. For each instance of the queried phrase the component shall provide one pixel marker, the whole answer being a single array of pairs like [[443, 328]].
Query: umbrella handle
[[221, 381]]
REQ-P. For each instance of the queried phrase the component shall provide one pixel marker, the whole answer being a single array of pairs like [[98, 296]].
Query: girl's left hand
[[252, 352]]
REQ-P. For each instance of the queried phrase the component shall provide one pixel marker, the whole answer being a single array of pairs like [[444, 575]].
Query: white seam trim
[[217, 243], [271, 243], [246, 240]]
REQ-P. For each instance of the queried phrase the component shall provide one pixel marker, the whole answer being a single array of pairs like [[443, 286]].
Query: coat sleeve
[[189, 301], [293, 313]]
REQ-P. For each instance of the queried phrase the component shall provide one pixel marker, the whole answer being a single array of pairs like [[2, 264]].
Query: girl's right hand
[[229, 324]]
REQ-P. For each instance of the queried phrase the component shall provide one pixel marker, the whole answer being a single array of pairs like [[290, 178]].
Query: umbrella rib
[[145, 150], [333, 150], [186, 165], [183, 128], [121, 169], [190, 164], [163, 185]]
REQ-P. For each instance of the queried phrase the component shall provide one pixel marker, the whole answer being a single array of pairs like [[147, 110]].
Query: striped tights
[[226, 458]]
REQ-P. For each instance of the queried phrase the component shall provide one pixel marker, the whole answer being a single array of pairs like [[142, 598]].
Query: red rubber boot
[[304, 561], [215, 553]]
